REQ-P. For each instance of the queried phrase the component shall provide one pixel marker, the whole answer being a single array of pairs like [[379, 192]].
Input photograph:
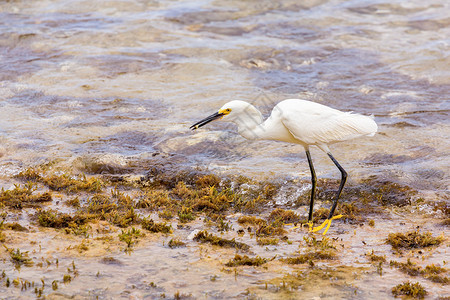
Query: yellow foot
[[315, 229], [292, 224], [326, 223], [310, 225]]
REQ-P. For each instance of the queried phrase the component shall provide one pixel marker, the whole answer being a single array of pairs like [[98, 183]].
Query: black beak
[[206, 120]]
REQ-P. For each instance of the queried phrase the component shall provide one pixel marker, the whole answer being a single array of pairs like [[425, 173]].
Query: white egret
[[300, 122]]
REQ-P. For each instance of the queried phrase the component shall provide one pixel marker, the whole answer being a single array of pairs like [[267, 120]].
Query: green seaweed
[[223, 226], [74, 202], [186, 215], [19, 258], [166, 214], [130, 237], [67, 278]]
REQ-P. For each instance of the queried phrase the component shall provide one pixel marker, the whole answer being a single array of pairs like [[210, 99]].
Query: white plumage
[[300, 122]]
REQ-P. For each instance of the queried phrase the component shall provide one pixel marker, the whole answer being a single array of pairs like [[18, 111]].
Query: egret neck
[[249, 123]]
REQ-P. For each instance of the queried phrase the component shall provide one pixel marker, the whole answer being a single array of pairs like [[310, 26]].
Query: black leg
[[341, 186], [313, 189]]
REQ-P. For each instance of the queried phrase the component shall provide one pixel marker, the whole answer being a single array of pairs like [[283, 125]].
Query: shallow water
[[113, 86], [127, 78], [153, 270]]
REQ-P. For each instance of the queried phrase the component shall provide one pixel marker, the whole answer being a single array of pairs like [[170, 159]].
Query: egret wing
[[327, 125]]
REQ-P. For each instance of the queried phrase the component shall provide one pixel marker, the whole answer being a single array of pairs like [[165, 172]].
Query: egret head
[[231, 111]]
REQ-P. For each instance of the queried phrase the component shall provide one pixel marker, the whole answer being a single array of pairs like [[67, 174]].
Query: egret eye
[[228, 110]]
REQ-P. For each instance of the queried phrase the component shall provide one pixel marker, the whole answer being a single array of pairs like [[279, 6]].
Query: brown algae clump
[[208, 181], [251, 220], [350, 211], [415, 290], [284, 216], [266, 230], [317, 250], [376, 258], [244, 260], [409, 267], [205, 237], [30, 174], [264, 241], [152, 226], [175, 243], [13, 226], [309, 257], [431, 272], [108, 260], [123, 218], [55, 219], [117, 210], [65, 182], [99, 203], [323, 244], [204, 199], [212, 199], [433, 269], [71, 184], [380, 191], [413, 239], [154, 200], [20, 197]]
